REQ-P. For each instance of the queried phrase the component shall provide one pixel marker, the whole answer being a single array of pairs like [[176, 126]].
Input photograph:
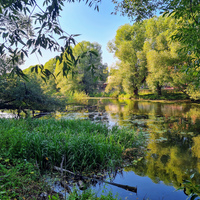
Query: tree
[[84, 76], [16, 94], [186, 13], [165, 61], [49, 85], [146, 53], [17, 39], [126, 46], [91, 63], [114, 80]]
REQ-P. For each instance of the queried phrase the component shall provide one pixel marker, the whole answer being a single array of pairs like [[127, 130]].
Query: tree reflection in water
[[174, 141]]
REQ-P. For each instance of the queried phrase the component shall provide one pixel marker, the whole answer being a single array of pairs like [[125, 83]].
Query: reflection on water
[[173, 149]]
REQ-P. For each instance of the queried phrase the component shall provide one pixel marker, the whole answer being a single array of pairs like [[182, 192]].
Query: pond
[[173, 149]]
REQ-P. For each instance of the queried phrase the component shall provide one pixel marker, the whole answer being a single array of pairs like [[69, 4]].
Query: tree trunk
[[159, 92], [136, 91]]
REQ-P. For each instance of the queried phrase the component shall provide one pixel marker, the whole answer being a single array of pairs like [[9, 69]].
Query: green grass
[[165, 96], [90, 195], [145, 94], [85, 145]]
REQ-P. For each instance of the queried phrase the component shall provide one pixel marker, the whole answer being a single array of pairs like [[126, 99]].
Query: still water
[[173, 149]]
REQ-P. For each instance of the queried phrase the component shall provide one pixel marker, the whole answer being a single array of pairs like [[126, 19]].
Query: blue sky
[[78, 18]]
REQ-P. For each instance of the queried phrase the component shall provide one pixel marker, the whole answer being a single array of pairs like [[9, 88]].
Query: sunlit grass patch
[[166, 95]]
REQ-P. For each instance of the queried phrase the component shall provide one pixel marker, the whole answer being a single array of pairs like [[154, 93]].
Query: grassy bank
[[166, 95], [21, 180], [26, 143], [146, 95]]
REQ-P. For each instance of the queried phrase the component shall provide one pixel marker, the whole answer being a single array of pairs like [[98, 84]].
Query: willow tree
[[157, 50], [163, 56], [15, 40], [126, 45], [186, 13]]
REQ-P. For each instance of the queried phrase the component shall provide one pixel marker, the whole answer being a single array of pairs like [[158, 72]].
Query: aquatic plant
[[85, 145], [90, 194]]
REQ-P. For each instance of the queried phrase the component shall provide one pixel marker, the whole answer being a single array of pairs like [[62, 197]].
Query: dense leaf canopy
[[19, 38]]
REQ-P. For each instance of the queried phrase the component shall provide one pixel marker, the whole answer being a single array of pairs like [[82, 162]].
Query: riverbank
[[151, 98], [146, 95], [30, 147], [148, 100]]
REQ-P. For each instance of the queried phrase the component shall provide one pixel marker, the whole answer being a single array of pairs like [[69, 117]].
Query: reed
[[85, 145]]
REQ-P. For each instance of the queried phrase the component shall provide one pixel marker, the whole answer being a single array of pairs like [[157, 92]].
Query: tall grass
[[78, 97], [85, 145]]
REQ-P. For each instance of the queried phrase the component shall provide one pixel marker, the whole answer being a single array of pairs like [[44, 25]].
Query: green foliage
[[165, 96], [186, 14], [89, 194], [20, 39], [129, 73], [192, 190], [19, 95], [100, 94], [78, 97], [85, 74], [147, 54], [137, 10], [86, 145], [19, 179]]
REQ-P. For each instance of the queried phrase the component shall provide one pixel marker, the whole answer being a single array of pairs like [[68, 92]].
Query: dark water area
[[173, 150]]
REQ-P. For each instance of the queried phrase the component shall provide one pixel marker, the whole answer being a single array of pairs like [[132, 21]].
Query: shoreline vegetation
[[167, 96], [32, 147]]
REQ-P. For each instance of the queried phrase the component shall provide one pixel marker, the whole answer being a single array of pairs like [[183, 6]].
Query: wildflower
[[47, 158]]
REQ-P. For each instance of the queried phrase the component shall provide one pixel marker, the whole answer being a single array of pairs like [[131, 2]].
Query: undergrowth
[[20, 179], [165, 96]]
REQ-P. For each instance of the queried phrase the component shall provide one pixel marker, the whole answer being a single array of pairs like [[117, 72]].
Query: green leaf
[[58, 74], [44, 79], [76, 35], [39, 52], [34, 50], [63, 37], [95, 53]]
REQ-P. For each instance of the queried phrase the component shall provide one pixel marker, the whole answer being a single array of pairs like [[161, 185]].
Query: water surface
[[173, 149]]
